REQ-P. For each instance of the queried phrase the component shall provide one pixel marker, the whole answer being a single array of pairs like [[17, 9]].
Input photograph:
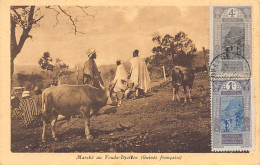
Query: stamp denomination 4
[[231, 41]]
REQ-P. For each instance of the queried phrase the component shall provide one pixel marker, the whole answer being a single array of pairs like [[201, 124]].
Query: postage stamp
[[231, 41], [231, 115]]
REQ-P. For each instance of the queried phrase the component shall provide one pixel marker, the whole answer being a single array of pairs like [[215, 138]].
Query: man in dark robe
[[91, 75]]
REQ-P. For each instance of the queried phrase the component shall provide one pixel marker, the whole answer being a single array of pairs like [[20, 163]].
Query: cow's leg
[[43, 130], [190, 88], [53, 130], [120, 96], [175, 93], [68, 120], [127, 92], [87, 123], [185, 91]]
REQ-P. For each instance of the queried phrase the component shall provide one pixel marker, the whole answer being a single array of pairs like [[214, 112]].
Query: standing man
[[120, 80], [91, 75], [139, 75]]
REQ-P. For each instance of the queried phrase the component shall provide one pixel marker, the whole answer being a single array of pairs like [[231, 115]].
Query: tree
[[59, 68], [45, 62], [179, 48], [28, 17], [22, 16]]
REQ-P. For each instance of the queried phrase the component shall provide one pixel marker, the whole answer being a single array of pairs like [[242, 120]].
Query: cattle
[[71, 100], [182, 76]]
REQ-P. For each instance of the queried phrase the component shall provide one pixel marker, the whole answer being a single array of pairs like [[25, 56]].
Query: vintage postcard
[[127, 82], [231, 37]]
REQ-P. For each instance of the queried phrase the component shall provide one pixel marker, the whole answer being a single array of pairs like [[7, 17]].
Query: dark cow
[[71, 100], [182, 76]]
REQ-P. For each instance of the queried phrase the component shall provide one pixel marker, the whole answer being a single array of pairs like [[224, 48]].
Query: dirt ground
[[150, 124]]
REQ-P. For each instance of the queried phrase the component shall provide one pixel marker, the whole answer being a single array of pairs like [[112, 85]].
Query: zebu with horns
[[70, 100]]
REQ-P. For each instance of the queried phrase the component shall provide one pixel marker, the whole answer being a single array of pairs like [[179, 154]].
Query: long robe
[[139, 74], [91, 75], [120, 79], [90, 68]]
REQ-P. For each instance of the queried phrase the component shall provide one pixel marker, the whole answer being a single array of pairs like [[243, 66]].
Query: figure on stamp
[[232, 110]]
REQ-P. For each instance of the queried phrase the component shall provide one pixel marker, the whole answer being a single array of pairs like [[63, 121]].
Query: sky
[[115, 32]]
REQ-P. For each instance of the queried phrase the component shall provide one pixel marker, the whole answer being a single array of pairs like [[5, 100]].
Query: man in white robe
[[120, 80], [139, 75]]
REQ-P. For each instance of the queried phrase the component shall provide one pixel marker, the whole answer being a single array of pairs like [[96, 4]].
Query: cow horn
[[101, 86]]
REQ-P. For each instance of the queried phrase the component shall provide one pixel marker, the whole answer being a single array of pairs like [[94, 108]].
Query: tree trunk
[[12, 71], [17, 47], [13, 45]]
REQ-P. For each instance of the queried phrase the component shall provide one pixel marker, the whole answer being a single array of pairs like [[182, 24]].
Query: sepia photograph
[[119, 79], [129, 82]]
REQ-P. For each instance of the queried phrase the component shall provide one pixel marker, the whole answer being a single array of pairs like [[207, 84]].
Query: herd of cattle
[[71, 100]]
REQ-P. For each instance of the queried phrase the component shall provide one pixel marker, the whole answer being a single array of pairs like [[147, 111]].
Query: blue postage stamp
[[230, 41], [231, 115]]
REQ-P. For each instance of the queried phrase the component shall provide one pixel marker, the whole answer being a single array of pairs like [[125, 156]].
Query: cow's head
[[177, 76], [112, 98]]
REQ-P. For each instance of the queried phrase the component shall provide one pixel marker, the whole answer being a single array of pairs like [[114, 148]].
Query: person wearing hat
[[91, 75], [27, 113]]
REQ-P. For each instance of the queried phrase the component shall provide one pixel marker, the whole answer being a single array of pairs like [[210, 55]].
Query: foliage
[[22, 78], [59, 68], [30, 80], [45, 62], [172, 50], [65, 73]]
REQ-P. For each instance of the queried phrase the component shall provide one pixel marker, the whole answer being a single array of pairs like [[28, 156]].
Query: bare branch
[[38, 9], [57, 14], [19, 17], [83, 10], [77, 32], [71, 19], [30, 18], [35, 21], [26, 31]]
